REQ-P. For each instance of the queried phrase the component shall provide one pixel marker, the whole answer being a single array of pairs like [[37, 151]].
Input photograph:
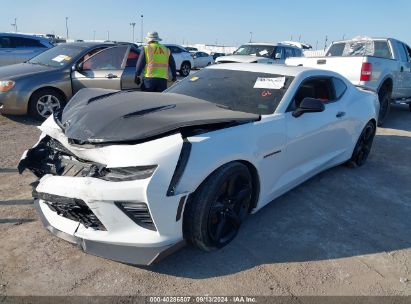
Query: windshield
[[377, 48], [255, 50], [58, 56], [250, 92]]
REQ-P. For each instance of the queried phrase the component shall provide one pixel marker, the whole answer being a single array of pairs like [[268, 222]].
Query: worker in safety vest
[[155, 59]]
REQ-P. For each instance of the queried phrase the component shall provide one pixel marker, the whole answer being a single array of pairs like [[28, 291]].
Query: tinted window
[[108, 59], [174, 49], [381, 49], [279, 53], [336, 49], [408, 49], [288, 52], [255, 50], [20, 42], [297, 52], [402, 51], [318, 88], [132, 58], [234, 89], [339, 87], [5, 42]]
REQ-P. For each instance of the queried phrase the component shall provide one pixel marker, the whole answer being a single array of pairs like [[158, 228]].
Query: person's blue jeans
[[154, 84]]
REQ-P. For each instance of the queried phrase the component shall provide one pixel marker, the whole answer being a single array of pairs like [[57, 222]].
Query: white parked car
[[262, 53], [131, 176], [183, 59], [201, 59]]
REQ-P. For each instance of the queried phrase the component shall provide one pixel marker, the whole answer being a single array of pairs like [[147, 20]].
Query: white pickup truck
[[382, 65]]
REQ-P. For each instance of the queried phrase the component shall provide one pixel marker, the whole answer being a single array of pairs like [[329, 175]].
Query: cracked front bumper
[[121, 253]]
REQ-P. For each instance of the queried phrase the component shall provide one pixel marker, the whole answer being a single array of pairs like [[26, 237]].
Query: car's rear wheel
[[363, 147], [44, 102], [185, 69], [214, 214], [384, 97]]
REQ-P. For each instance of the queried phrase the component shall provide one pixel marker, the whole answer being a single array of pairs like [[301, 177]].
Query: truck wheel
[[384, 97], [44, 102], [218, 207], [185, 69], [363, 146]]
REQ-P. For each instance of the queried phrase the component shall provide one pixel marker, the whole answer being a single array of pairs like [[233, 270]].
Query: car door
[[316, 141], [127, 78], [279, 54], [6, 51], [102, 70]]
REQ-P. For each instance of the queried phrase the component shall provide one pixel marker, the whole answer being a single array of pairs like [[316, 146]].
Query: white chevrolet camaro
[[132, 176]]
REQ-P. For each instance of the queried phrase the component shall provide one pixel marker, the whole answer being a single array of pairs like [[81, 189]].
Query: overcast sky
[[225, 22]]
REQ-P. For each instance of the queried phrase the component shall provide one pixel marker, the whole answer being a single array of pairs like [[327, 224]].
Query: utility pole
[[67, 36], [326, 40], [133, 24], [108, 35], [316, 45], [251, 36], [142, 28], [343, 37], [14, 25], [299, 38]]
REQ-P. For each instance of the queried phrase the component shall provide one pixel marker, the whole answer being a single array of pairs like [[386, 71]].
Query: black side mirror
[[309, 105]]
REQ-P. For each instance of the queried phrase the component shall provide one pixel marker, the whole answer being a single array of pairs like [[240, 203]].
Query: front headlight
[[6, 85], [128, 173]]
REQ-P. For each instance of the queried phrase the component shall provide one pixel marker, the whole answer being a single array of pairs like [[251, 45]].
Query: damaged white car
[[132, 176]]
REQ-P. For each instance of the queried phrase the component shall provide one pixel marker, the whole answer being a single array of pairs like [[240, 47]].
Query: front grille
[[72, 208], [139, 213]]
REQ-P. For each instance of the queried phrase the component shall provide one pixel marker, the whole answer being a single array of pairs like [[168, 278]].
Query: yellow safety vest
[[157, 56]]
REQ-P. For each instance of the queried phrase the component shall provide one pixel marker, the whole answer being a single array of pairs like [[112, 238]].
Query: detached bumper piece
[[71, 208]]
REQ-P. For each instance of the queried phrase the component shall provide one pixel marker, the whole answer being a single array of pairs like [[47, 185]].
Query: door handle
[[340, 114], [110, 76]]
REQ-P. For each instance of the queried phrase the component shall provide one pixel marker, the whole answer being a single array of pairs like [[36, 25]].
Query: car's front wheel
[[218, 207], [45, 102], [185, 69], [363, 147]]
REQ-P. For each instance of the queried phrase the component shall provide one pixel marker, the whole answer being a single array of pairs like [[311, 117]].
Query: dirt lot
[[344, 232]]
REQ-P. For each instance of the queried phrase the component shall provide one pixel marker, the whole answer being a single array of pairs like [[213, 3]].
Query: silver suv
[[17, 48]]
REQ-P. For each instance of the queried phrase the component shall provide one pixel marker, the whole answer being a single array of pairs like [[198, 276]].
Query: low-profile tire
[[384, 97], [216, 210], [185, 69], [44, 102], [363, 147]]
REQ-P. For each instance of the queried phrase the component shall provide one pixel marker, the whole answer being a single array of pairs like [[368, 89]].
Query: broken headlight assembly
[[128, 173]]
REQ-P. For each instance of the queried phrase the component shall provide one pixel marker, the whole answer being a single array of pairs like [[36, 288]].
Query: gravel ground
[[344, 232]]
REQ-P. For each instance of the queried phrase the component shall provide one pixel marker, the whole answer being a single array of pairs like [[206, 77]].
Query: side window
[[20, 42], [288, 53], [132, 58], [320, 88], [408, 51], [339, 88], [297, 53], [279, 53], [402, 51], [5, 42], [108, 59], [86, 65], [175, 50], [381, 49]]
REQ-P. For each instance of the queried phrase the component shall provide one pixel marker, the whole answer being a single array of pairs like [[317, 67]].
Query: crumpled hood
[[21, 69], [242, 59], [102, 116]]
